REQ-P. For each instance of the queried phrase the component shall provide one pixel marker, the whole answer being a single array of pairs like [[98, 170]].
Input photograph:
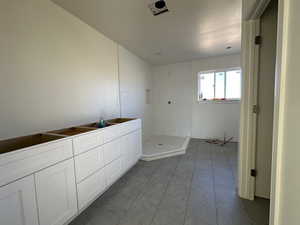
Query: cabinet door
[[131, 149], [90, 188], [126, 152], [113, 171], [56, 194], [18, 203], [138, 144]]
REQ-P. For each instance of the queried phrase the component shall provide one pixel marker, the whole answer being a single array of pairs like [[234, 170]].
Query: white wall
[[186, 116], [56, 71], [212, 120], [287, 180], [135, 80], [172, 83]]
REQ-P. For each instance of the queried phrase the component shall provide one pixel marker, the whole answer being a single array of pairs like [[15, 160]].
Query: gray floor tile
[[233, 214], [198, 188], [258, 210], [82, 219], [178, 190], [155, 192], [141, 213], [102, 216], [169, 215], [201, 207], [194, 218], [117, 202]]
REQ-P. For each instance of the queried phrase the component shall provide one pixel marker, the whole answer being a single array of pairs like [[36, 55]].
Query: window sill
[[219, 102]]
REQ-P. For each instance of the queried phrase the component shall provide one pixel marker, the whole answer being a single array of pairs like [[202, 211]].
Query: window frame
[[229, 100]]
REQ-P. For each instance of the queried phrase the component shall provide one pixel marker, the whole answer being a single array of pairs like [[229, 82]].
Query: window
[[219, 85]]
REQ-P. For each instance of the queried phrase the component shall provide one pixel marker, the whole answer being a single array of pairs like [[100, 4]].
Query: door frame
[[249, 64]]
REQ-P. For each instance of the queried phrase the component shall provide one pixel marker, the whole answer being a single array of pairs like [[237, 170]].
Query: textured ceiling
[[192, 29]]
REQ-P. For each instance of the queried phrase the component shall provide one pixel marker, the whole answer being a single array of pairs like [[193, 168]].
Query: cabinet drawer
[[130, 126], [90, 188], [111, 133], [134, 125], [88, 163], [86, 142], [22, 163], [111, 151], [113, 171]]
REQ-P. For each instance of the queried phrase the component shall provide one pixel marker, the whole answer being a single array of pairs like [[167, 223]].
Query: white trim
[[220, 70], [279, 109], [253, 9], [119, 80], [163, 155], [259, 9], [229, 101], [250, 53], [226, 100]]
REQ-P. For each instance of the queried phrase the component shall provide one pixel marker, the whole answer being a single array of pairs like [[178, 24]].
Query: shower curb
[[175, 152]]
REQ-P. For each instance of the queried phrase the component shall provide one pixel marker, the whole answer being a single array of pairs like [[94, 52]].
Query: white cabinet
[[113, 171], [88, 163], [90, 188], [111, 133], [130, 126], [56, 193], [15, 165], [137, 136], [18, 203], [86, 142], [111, 151], [134, 145], [131, 148], [125, 151], [49, 193]]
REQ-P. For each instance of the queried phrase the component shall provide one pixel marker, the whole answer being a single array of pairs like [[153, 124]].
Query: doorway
[[265, 99]]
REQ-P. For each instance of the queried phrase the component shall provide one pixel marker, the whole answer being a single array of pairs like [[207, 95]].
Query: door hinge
[[255, 109], [258, 40], [253, 173]]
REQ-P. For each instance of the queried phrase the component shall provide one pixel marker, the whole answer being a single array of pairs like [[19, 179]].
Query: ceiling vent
[[158, 7]]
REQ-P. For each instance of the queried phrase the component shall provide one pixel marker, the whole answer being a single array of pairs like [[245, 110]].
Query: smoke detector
[[158, 7]]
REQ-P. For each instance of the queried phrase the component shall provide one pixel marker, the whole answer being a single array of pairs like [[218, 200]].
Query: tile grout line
[[140, 194], [167, 186], [229, 163], [214, 182], [217, 161], [232, 173], [189, 194]]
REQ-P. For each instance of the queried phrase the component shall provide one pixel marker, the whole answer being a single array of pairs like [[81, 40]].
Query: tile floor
[[197, 188]]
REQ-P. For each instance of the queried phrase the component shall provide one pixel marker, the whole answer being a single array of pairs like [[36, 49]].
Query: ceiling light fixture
[[228, 47]]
